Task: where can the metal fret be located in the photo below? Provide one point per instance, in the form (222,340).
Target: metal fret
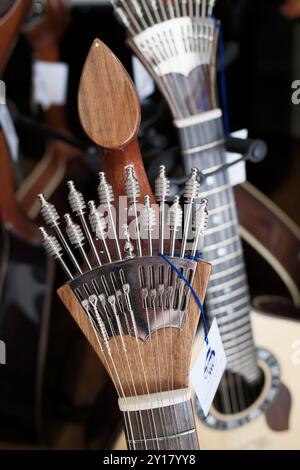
(219,209)
(161,439)
(234,325)
(217,190)
(239,339)
(226,258)
(232,317)
(222,227)
(225,297)
(224,285)
(202,148)
(239,350)
(228,295)
(235,314)
(231,305)
(232,270)
(222,244)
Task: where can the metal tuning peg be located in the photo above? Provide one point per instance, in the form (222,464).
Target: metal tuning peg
(148,218)
(78,206)
(106,198)
(98,226)
(52,219)
(133,192)
(76,237)
(200,223)
(162,192)
(174,222)
(55,250)
(128,247)
(191,193)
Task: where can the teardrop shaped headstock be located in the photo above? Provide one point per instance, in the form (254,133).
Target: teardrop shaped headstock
(110,114)
(108,106)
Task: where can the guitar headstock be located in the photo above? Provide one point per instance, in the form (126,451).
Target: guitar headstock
(177,43)
(140,329)
(133,305)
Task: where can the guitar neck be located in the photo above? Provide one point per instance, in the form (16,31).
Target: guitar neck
(228,299)
(163,421)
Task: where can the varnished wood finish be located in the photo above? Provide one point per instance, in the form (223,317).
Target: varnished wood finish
(106,85)
(282,339)
(272,234)
(114,162)
(10,25)
(182,343)
(110,114)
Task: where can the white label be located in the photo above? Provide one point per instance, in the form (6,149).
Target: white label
(208,369)
(50,83)
(237,173)
(143,81)
(9,132)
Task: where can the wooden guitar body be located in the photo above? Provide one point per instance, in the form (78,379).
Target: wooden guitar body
(278,427)
(26,277)
(25,300)
(276,238)
(25,293)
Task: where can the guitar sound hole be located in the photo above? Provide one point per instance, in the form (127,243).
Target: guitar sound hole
(236,395)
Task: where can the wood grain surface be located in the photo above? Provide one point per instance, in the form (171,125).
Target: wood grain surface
(149,352)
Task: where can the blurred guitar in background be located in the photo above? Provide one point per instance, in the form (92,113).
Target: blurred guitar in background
(25,283)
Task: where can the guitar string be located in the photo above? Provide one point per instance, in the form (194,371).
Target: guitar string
(141,431)
(164,53)
(103,332)
(183,338)
(120,390)
(227,401)
(158,383)
(142,436)
(135,23)
(192,111)
(174,408)
(175,419)
(178,88)
(144,382)
(171,352)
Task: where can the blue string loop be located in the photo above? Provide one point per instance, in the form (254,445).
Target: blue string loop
(199,303)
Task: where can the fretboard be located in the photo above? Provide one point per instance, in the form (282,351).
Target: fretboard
(161,421)
(227,299)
